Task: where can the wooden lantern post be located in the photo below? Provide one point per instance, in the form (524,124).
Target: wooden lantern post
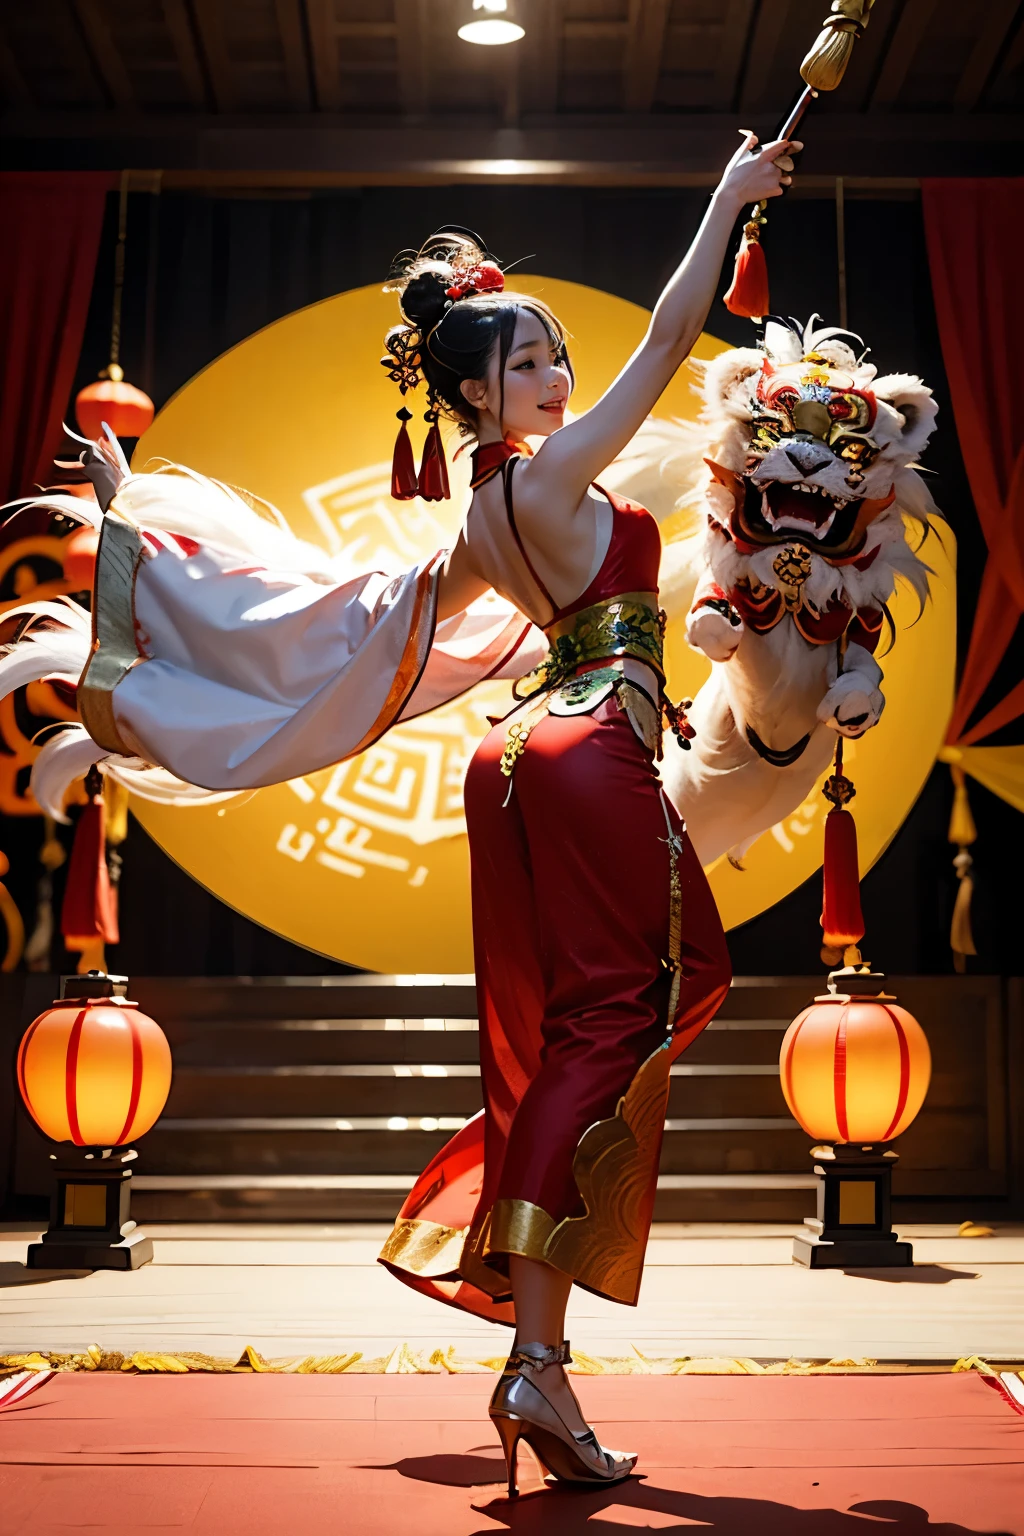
(855,1069)
(94,1072)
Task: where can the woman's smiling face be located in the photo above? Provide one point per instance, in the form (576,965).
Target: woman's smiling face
(537,383)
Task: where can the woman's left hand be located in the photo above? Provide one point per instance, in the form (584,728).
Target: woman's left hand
(755,174)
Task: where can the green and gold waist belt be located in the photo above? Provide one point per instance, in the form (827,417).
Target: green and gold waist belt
(567,682)
(629,624)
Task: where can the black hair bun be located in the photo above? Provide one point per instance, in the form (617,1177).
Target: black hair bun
(424,299)
(423,277)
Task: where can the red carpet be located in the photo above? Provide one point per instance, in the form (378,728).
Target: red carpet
(739,1456)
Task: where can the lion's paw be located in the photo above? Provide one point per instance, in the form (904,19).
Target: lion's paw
(716,630)
(852,705)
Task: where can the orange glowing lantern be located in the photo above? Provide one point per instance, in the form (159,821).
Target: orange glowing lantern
(126,410)
(855,1069)
(94,1071)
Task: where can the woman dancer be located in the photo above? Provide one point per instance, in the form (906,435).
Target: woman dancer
(598,949)
(225,654)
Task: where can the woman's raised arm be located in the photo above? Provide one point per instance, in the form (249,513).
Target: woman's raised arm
(571,458)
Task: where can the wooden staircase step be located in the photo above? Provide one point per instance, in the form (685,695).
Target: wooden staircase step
(378,1197)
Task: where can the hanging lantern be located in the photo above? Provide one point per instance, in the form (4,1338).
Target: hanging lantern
(855,1069)
(94,1071)
(79,556)
(126,410)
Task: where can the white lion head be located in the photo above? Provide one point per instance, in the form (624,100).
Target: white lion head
(812,447)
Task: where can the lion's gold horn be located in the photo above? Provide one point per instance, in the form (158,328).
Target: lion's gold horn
(826,63)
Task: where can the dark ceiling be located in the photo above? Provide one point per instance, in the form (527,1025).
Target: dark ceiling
(605,90)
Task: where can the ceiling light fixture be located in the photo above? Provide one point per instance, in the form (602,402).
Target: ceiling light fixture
(495,29)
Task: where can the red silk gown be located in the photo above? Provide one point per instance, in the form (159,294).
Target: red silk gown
(571,881)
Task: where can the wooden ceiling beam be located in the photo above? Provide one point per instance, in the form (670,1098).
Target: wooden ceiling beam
(644,47)
(732,44)
(103,51)
(597,31)
(369,28)
(411,23)
(293,48)
(761,75)
(323,38)
(907,38)
(542,48)
(997,18)
(210,24)
(666,150)
(179,27)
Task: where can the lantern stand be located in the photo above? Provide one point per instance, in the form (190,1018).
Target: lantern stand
(853,1225)
(90,1226)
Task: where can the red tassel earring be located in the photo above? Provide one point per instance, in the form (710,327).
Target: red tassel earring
(434,466)
(842,921)
(748,295)
(404,485)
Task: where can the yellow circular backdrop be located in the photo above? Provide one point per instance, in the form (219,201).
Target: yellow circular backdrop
(368,862)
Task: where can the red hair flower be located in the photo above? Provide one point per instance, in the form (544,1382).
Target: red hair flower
(487,277)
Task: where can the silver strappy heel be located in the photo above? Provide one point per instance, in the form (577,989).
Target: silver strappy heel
(519,1410)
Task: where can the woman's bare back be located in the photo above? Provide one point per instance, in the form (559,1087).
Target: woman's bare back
(565,551)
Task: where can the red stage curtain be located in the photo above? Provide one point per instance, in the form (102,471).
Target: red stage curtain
(975,235)
(52,224)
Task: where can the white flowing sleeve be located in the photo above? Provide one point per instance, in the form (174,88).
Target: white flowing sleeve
(230,655)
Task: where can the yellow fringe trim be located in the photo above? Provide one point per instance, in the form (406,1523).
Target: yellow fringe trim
(405,1361)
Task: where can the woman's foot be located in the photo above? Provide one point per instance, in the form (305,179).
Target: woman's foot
(556,1388)
(548,1376)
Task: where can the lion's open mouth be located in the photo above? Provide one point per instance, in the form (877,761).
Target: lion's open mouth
(777,512)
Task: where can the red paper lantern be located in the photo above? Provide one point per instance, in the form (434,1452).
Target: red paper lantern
(126,410)
(79,553)
(855,1068)
(95,1073)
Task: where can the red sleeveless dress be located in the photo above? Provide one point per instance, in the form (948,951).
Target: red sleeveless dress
(571,889)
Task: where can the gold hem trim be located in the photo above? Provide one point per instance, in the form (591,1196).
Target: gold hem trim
(425,1248)
(517,1227)
(114,648)
(418,642)
(615,1168)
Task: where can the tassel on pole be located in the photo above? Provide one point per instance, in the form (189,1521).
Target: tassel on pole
(842,920)
(748,292)
(89,914)
(962,832)
(825,64)
(822,70)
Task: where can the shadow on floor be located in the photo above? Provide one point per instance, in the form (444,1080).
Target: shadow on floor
(16,1274)
(915,1274)
(564,1511)
(557,1513)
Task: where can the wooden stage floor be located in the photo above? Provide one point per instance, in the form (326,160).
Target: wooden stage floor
(708,1291)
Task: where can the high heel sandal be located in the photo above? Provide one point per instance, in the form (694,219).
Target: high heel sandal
(519,1410)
